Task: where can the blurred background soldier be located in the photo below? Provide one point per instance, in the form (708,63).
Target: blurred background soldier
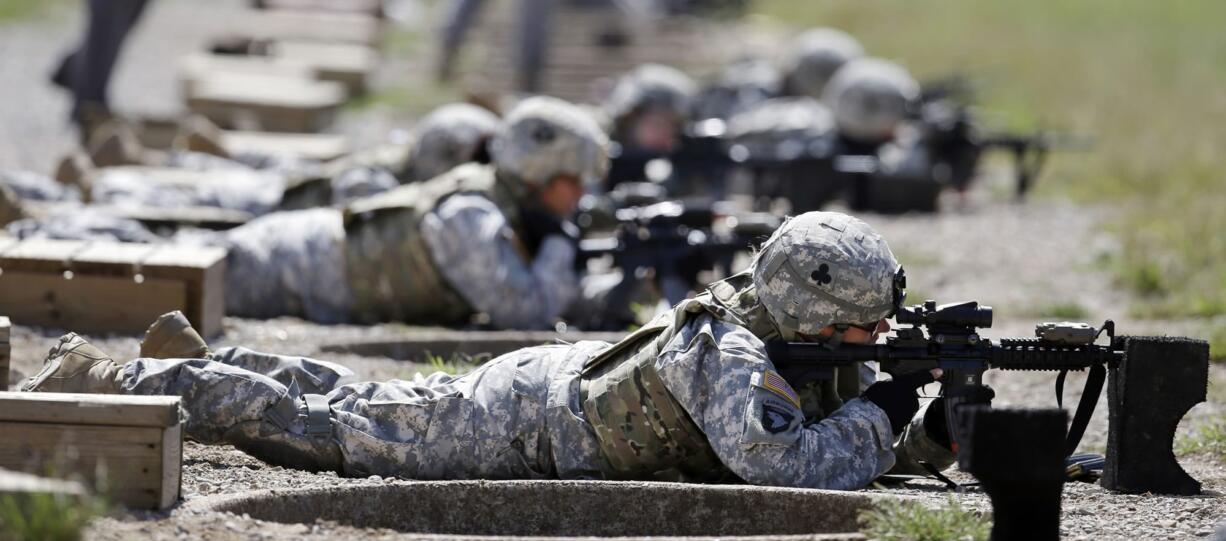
(487,239)
(648,109)
(480,239)
(691,396)
(814,57)
(533,39)
(871,98)
(448,136)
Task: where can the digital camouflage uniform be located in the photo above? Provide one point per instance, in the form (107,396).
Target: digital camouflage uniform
(422,252)
(690,396)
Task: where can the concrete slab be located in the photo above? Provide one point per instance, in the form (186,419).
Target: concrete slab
(553,509)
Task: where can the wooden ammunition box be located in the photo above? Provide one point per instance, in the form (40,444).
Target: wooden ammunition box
(110,286)
(127,447)
(347,63)
(250,101)
(310,146)
(6,350)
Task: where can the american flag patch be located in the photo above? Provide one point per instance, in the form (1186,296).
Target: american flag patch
(775,383)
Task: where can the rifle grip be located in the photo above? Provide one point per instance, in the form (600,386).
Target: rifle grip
(1159,380)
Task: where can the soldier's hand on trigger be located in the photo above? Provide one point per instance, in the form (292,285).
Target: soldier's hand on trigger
(898,398)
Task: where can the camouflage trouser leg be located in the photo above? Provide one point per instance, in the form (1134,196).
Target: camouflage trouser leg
(487,424)
(312,376)
(229,405)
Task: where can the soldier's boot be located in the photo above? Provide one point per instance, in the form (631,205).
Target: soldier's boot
(114,143)
(172,337)
(11,208)
(74,170)
(76,366)
(199,134)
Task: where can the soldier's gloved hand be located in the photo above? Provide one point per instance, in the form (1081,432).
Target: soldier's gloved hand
(897,397)
(936,423)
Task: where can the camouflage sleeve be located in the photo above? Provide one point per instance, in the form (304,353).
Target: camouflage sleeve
(722,377)
(475,251)
(915,446)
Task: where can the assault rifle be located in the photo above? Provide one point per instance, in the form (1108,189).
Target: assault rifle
(676,243)
(1154,381)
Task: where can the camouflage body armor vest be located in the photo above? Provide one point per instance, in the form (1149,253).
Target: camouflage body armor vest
(388,263)
(644,433)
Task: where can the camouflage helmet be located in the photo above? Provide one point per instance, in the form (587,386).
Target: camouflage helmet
(651,86)
(870,97)
(449,136)
(816,55)
(543,137)
(825,268)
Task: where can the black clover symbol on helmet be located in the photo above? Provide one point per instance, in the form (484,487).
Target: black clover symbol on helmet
(822,275)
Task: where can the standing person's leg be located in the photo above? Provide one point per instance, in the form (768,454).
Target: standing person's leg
(109,24)
(534,26)
(456,22)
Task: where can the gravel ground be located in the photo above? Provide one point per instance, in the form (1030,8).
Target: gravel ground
(1026,260)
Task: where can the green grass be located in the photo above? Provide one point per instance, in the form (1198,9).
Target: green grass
(411,95)
(1217,342)
(48,517)
(1209,440)
(1065,310)
(1145,79)
(20,10)
(912,521)
(456,364)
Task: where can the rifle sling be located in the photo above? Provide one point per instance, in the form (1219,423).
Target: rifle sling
(1085,407)
(1060,388)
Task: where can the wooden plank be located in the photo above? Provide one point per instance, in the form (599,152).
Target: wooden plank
(109,258)
(172,466)
(6,351)
(310,146)
(125,462)
(89,303)
(265,102)
(201,66)
(281,24)
(346,63)
(175,217)
(90,409)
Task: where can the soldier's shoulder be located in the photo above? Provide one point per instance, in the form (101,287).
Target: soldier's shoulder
(723,335)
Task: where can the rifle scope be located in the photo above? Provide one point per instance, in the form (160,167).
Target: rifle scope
(962,314)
